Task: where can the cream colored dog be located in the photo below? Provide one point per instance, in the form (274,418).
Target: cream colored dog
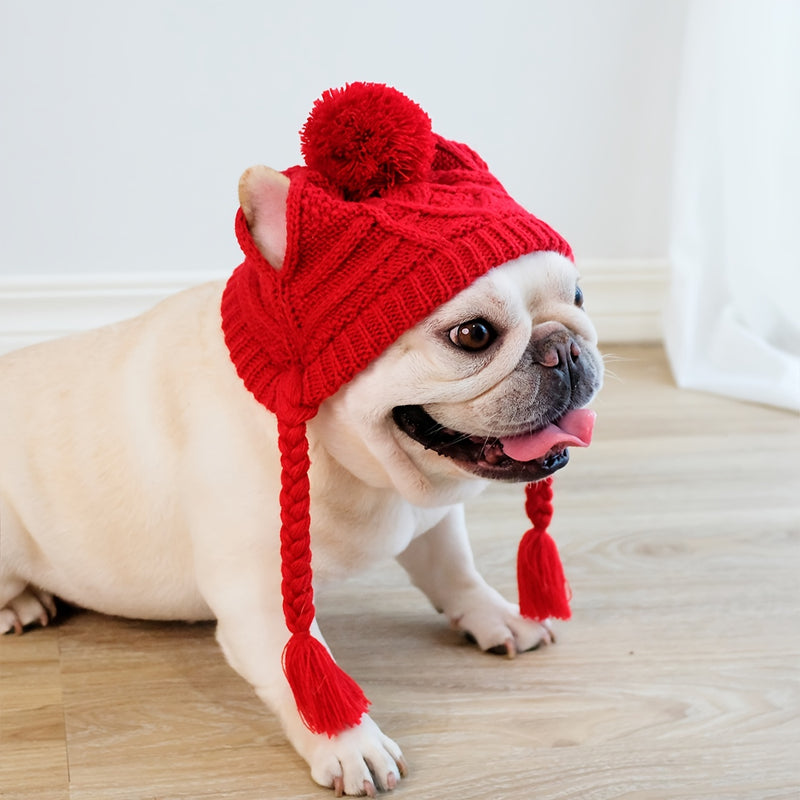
(139,477)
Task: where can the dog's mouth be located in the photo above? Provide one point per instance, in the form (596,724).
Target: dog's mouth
(525,457)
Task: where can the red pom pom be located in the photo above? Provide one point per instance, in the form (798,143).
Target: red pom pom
(367,138)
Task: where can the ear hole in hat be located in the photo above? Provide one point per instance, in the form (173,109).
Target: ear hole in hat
(262,196)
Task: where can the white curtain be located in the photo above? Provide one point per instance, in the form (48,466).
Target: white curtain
(732,324)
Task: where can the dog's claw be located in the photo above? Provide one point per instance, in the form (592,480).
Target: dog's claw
(338,786)
(369,788)
(403,767)
(511,648)
(508,649)
(49,603)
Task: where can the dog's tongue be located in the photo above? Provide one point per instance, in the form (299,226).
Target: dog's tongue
(573,429)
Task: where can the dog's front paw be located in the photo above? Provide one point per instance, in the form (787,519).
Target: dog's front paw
(29,607)
(497,626)
(358,761)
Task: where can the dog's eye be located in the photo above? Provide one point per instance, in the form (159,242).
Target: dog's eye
(579,297)
(477,334)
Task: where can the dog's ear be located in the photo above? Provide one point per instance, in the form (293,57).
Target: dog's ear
(262,196)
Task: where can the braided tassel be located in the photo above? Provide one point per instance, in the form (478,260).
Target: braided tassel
(543,590)
(327,698)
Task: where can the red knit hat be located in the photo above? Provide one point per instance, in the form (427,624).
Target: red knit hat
(385,222)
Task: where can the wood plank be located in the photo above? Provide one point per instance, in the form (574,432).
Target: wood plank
(33,746)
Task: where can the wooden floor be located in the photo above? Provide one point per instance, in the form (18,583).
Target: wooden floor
(677,678)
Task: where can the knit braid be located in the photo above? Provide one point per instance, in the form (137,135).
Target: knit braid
(539,503)
(328,699)
(297,587)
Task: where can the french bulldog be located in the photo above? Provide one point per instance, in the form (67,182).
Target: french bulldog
(139,477)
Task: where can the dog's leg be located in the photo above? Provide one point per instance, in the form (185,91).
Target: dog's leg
(246,601)
(440,563)
(20,604)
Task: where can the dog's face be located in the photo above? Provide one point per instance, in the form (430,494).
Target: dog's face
(487,386)
(510,356)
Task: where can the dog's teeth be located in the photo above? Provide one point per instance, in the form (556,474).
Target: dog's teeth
(493,454)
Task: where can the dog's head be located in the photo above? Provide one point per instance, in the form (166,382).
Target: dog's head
(489,385)
(507,366)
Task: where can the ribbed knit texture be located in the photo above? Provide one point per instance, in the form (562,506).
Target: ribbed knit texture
(377,238)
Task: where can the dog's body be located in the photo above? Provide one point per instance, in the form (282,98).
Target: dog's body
(102,503)
(139,477)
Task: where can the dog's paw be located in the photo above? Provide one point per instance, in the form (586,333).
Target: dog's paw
(496,626)
(358,761)
(28,607)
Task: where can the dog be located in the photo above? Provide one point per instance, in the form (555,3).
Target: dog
(140,478)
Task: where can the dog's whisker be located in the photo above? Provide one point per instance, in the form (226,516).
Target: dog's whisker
(609,373)
(614,357)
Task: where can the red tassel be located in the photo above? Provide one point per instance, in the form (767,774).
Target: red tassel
(328,699)
(543,590)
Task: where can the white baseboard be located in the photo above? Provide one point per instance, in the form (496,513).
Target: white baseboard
(624,298)
(36,308)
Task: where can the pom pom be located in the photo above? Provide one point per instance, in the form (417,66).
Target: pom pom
(367,138)
(327,698)
(543,590)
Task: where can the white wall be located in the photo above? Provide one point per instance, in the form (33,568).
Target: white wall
(125,126)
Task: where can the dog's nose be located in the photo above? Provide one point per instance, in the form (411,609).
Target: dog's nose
(558,350)
(557,353)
